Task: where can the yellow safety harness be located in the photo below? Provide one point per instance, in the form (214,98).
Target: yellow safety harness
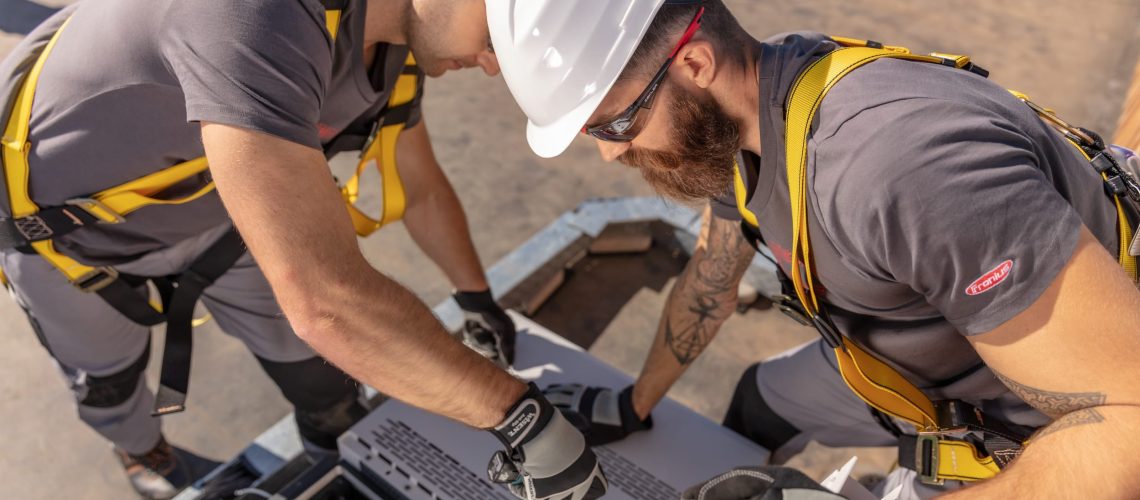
(31,228)
(937,453)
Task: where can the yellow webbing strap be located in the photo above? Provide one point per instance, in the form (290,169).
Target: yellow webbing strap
(960,461)
(15,140)
(14,152)
(883,387)
(332,22)
(381,153)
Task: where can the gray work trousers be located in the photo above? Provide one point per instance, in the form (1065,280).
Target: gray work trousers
(804,389)
(88,338)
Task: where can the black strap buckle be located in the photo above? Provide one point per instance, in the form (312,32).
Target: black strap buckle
(96,279)
(791,308)
(822,323)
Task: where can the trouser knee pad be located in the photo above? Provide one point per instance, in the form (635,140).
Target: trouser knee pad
(325,399)
(750,416)
(112,390)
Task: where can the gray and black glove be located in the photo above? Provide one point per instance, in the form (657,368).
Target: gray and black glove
(546,457)
(760,483)
(601,414)
(487,329)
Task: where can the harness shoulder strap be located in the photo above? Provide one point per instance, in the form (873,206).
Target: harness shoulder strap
(874,381)
(878,384)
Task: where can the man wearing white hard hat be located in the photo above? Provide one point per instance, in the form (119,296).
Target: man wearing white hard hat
(966,255)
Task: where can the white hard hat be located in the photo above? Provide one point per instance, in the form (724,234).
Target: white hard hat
(561,57)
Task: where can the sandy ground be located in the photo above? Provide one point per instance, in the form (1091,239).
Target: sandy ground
(1073,56)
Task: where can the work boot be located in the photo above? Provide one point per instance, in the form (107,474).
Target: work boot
(159,474)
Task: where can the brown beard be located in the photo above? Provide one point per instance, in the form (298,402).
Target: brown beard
(707,141)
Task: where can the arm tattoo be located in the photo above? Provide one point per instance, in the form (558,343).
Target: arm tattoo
(706,291)
(1081,417)
(1068,409)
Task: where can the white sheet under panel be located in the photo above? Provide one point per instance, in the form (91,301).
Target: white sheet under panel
(424,456)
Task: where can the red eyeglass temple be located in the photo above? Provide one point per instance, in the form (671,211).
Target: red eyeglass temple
(688,32)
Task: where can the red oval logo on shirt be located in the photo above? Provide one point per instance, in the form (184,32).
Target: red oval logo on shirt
(990,279)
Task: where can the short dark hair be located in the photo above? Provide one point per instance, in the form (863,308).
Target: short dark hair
(718,25)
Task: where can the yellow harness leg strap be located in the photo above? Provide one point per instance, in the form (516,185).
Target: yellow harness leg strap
(381,153)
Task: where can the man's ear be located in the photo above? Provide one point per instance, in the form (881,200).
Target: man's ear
(697,63)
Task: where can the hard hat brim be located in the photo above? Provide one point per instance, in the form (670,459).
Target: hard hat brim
(552,139)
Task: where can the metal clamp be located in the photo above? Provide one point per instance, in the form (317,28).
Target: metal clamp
(96,279)
(33,228)
(926,458)
(97,209)
(792,309)
(827,330)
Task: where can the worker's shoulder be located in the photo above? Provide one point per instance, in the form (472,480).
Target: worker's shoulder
(905,87)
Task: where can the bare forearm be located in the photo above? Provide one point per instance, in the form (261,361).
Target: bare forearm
(701,300)
(693,316)
(382,334)
(439,227)
(283,201)
(1086,453)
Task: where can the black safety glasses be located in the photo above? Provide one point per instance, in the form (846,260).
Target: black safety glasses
(626,126)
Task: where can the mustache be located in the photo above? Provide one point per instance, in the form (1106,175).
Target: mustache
(699,166)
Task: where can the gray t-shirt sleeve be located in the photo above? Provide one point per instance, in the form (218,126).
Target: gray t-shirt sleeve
(947,198)
(262,65)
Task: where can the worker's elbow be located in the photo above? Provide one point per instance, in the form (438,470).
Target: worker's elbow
(314,309)
(316,328)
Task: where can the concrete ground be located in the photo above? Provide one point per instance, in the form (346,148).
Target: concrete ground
(1074,56)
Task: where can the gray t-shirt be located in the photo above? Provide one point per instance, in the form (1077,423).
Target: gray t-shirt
(121,92)
(940,206)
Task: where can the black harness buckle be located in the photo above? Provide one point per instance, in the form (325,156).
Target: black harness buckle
(95,280)
(792,309)
(822,323)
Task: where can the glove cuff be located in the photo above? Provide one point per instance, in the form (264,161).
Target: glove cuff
(476,301)
(525,419)
(629,414)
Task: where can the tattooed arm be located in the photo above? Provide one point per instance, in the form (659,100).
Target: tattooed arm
(1073,355)
(702,298)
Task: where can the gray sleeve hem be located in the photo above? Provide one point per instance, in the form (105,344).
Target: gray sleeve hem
(1063,244)
(263,124)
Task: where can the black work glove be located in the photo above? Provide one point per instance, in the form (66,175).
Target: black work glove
(760,483)
(601,414)
(546,457)
(486,327)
